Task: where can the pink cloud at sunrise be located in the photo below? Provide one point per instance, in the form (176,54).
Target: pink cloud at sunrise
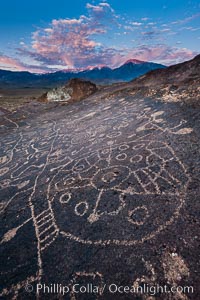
(99,37)
(8,62)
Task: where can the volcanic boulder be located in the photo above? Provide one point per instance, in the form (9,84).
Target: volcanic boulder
(75,90)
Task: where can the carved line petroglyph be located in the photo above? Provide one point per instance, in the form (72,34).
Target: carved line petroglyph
(14,289)
(12,232)
(84,151)
(134,211)
(125,242)
(110,177)
(43,240)
(91,277)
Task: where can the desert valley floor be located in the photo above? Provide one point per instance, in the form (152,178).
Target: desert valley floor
(102,191)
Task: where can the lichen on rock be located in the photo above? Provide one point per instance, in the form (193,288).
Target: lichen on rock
(75,90)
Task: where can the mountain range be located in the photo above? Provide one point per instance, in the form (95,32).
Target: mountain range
(176,83)
(130,70)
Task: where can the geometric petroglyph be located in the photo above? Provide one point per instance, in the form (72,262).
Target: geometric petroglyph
(100,172)
(47,231)
(13,291)
(126,184)
(93,282)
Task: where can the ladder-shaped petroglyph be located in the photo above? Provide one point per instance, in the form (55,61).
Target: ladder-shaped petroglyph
(47,229)
(100,173)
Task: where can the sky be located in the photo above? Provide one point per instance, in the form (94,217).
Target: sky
(51,35)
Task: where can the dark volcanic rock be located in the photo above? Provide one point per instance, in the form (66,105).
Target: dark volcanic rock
(176,74)
(175,83)
(101,192)
(81,88)
(75,90)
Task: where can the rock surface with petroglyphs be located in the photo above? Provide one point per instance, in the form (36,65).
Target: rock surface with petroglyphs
(177,83)
(100,191)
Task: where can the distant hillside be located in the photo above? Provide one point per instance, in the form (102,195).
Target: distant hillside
(128,71)
(175,83)
(176,74)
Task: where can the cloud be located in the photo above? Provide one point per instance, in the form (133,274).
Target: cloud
(136,23)
(149,33)
(10,63)
(151,23)
(190,28)
(76,43)
(186,20)
(99,8)
(161,54)
(156,34)
(71,42)
(13,64)
(165,30)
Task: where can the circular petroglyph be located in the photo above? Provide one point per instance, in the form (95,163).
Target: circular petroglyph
(136,159)
(110,177)
(124,147)
(114,134)
(5,183)
(121,156)
(3,171)
(99,177)
(143,196)
(138,215)
(65,198)
(81,208)
(139,146)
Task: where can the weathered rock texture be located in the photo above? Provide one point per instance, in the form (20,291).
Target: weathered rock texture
(75,90)
(176,83)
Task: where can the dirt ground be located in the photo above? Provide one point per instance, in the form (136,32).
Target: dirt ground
(12,99)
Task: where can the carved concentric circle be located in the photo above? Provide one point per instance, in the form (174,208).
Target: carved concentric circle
(140,199)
